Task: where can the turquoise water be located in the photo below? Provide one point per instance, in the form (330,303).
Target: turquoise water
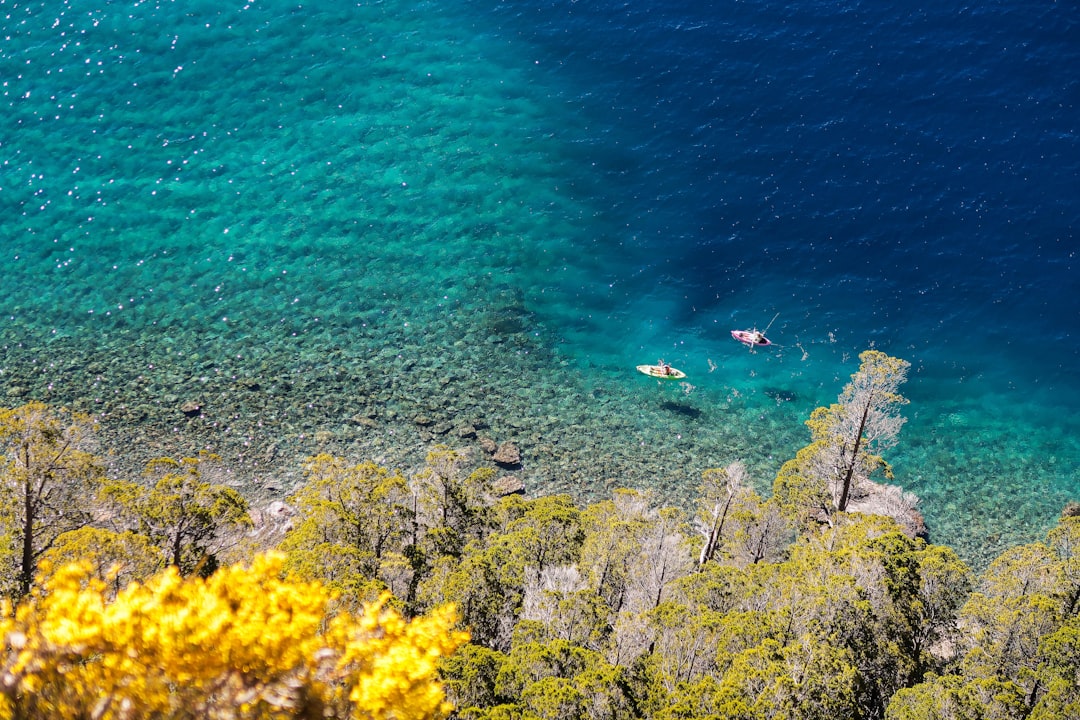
(373,227)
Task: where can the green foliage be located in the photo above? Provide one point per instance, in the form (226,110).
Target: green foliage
(862,586)
(183,514)
(528,663)
(733,522)
(612,611)
(470,676)
(811,679)
(847,440)
(945,583)
(452,504)
(354,522)
(704,699)
(800,493)
(1058,673)
(1006,619)
(760,532)
(952,697)
(1064,541)
(546,532)
(559,680)
(719,488)
(490,580)
(686,642)
(48,480)
(609,549)
(487,590)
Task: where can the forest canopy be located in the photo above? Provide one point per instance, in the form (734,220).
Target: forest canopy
(393,593)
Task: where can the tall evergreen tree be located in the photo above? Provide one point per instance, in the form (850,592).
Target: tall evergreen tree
(182,513)
(848,439)
(46,477)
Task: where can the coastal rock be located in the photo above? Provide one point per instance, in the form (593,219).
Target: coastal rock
(363,421)
(279,509)
(271,522)
(507,455)
(508,485)
(191,408)
(890,500)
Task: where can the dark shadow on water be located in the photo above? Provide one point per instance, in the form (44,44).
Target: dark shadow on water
(681,409)
(780,395)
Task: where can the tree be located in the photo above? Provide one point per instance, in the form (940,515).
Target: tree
(848,438)
(631,555)
(719,488)
(1064,540)
(760,532)
(561,681)
(46,479)
(547,531)
(945,583)
(486,584)
(451,504)
(704,698)
(470,675)
(244,643)
(488,579)
(811,679)
(609,544)
(560,607)
(1058,673)
(664,558)
(864,587)
(1014,607)
(187,517)
(687,643)
(952,697)
(353,524)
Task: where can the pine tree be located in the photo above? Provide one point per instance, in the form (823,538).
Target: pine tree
(848,439)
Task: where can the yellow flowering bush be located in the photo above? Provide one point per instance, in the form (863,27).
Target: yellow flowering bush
(244,643)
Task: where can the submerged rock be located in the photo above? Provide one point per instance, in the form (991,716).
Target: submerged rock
(507,455)
(191,408)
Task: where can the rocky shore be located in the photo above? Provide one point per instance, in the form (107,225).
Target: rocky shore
(494,383)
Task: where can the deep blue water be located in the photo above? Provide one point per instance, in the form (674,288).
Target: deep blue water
(268,179)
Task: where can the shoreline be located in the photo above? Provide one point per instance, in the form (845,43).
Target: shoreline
(265,411)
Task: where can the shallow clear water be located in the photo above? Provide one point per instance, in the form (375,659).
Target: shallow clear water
(363,228)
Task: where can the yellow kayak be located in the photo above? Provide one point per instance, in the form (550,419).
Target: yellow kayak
(658,371)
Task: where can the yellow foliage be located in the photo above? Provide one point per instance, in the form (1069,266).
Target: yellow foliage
(244,643)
